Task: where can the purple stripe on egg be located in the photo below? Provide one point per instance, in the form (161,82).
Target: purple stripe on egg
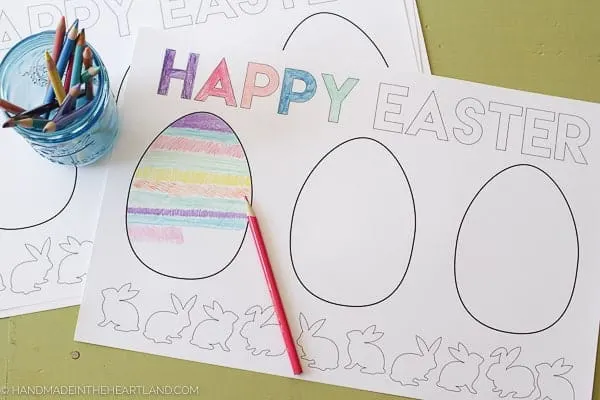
(202,122)
(185,213)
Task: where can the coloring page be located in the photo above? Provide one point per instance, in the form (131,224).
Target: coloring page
(431,238)
(46,245)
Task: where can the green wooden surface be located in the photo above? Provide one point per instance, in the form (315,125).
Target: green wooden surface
(545,46)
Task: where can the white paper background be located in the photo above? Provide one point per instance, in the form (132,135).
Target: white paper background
(282,150)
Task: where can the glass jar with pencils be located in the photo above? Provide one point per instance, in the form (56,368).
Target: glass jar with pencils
(55,93)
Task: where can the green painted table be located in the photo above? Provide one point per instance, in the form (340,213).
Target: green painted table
(546,46)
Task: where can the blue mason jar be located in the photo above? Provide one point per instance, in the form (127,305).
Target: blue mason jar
(24,82)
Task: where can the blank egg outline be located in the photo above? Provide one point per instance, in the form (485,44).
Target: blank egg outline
(342,18)
(53,217)
(576,263)
(412,247)
(237,252)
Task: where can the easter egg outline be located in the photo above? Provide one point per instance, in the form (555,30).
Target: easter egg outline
(56,215)
(342,18)
(564,197)
(243,239)
(414,233)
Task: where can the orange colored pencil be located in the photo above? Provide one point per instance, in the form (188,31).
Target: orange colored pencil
(88,62)
(59,39)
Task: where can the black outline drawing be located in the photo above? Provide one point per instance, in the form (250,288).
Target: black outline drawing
(55,215)
(115,313)
(344,19)
(364,352)
(321,346)
(215,312)
(409,363)
(461,376)
(464,123)
(164,323)
(576,263)
(559,376)
(2,284)
(414,233)
(3,13)
(72,254)
(28,275)
(261,334)
(502,373)
(122,84)
(250,199)
(494,104)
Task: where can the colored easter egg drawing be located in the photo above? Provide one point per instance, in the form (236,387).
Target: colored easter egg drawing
(353,225)
(186,214)
(338,39)
(34,190)
(517,252)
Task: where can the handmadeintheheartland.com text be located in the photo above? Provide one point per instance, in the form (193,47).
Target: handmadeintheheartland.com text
(99,390)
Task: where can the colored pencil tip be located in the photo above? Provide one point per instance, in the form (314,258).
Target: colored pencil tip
(8,124)
(50,127)
(47,56)
(81,40)
(249,209)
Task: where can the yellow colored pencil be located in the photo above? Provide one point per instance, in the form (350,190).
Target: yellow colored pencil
(54,78)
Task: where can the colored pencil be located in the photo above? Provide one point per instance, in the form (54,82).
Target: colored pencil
(38,111)
(54,77)
(78,59)
(35,123)
(89,73)
(63,59)
(64,120)
(88,62)
(69,104)
(276,299)
(10,107)
(59,39)
(69,74)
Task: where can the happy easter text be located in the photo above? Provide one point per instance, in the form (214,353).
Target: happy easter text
(541,133)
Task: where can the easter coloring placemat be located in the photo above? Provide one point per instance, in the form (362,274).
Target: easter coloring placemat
(432,238)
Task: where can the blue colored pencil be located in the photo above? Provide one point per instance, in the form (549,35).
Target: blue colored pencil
(63,60)
(78,60)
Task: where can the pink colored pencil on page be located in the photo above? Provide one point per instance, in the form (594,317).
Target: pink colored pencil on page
(272,284)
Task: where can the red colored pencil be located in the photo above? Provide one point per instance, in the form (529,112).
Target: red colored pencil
(272,284)
(59,39)
(69,74)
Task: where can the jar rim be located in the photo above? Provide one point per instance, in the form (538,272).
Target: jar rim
(76,128)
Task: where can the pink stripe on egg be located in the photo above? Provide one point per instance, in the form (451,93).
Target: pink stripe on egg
(161,234)
(184,144)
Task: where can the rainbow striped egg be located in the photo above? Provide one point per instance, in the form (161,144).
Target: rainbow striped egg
(186,213)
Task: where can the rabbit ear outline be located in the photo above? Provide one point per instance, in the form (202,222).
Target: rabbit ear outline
(46,247)
(500,352)
(177,305)
(190,304)
(559,367)
(512,356)
(435,346)
(461,353)
(421,345)
(316,327)
(253,311)
(125,292)
(265,316)
(71,246)
(371,335)
(215,312)
(35,253)
(303,323)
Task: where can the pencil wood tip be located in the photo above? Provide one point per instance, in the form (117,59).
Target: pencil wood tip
(50,127)
(249,209)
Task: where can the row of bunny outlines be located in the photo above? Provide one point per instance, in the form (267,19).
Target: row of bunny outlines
(364,353)
(214,332)
(31,274)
